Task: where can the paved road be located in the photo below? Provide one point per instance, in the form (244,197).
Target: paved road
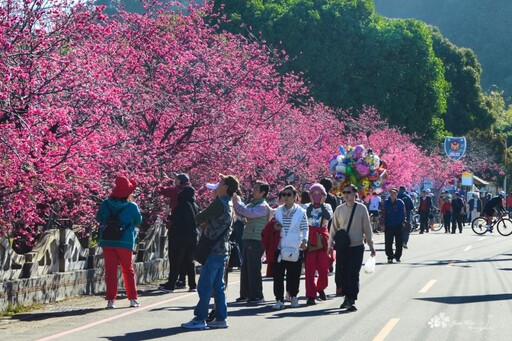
(448,287)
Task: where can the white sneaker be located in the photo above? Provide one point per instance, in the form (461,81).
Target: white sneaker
(194,324)
(278,306)
(295,302)
(134,304)
(110,304)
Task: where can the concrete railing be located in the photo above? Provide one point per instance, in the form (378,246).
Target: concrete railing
(59,267)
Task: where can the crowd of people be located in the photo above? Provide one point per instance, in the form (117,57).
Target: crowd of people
(301,233)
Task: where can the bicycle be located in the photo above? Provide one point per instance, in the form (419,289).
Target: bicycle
(503,225)
(435,221)
(415,222)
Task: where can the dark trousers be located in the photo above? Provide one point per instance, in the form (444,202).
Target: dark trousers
(250,272)
(424,221)
(292,270)
(180,255)
(238,231)
(393,232)
(447,218)
(170,245)
(456,221)
(348,266)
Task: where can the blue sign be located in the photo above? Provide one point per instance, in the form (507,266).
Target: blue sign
(455,147)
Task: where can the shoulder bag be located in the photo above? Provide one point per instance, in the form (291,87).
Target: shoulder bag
(341,238)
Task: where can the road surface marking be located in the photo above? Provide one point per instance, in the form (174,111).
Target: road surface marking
(482,238)
(428,286)
(112,318)
(468,248)
(386,330)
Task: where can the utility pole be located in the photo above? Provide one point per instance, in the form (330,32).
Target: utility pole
(505,178)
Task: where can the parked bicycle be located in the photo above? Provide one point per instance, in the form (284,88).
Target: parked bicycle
(435,221)
(502,223)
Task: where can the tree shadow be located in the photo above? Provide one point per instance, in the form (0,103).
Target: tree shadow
(467,299)
(457,262)
(35,316)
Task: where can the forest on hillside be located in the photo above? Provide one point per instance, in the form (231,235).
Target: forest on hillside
(485,26)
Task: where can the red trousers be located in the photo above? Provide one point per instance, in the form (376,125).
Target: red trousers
(316,261)
(115,256)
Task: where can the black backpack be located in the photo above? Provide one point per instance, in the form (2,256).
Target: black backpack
(112,229)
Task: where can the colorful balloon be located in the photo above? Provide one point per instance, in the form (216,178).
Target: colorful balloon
(359,152)
(341,168)
(332,165)
(362,169)
(352,175)
(358,166)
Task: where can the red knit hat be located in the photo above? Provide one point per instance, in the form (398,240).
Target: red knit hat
(124,187)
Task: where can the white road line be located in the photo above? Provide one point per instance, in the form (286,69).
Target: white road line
(428,286)
(115,317)
(468,248)
(386,330)
(481,238)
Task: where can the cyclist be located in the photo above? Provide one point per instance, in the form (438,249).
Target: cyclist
(492,207)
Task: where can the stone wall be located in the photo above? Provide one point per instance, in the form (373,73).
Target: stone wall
(59,267)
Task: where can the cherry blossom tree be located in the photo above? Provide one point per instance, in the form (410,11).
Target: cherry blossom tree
(85,97)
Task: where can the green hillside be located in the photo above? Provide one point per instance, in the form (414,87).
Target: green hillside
(485,26)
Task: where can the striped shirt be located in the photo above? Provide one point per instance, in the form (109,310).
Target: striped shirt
(303,227)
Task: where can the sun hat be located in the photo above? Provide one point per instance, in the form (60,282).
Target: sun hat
(124,187)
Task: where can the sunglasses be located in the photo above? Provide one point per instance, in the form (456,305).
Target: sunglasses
(289,194)
(347,192)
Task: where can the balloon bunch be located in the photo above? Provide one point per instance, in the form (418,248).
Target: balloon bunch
(360,167)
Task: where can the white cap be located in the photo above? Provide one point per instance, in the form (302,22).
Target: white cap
(212,186)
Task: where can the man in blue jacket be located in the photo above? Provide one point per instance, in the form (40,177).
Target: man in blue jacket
(392,222)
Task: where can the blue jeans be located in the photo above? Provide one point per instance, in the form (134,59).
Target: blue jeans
(212,278)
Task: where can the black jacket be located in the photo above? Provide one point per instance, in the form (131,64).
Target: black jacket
(332,200)
(183,216)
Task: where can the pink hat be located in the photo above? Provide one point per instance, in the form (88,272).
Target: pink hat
(124,187)
(319,187)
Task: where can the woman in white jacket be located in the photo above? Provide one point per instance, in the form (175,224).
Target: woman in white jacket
(293,224)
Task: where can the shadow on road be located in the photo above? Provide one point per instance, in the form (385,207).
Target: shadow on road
(467,299)
(459,262)
(151,334)
(174,308)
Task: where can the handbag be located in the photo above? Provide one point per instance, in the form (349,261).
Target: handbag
(204,247)
(341,238)
(290,254)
